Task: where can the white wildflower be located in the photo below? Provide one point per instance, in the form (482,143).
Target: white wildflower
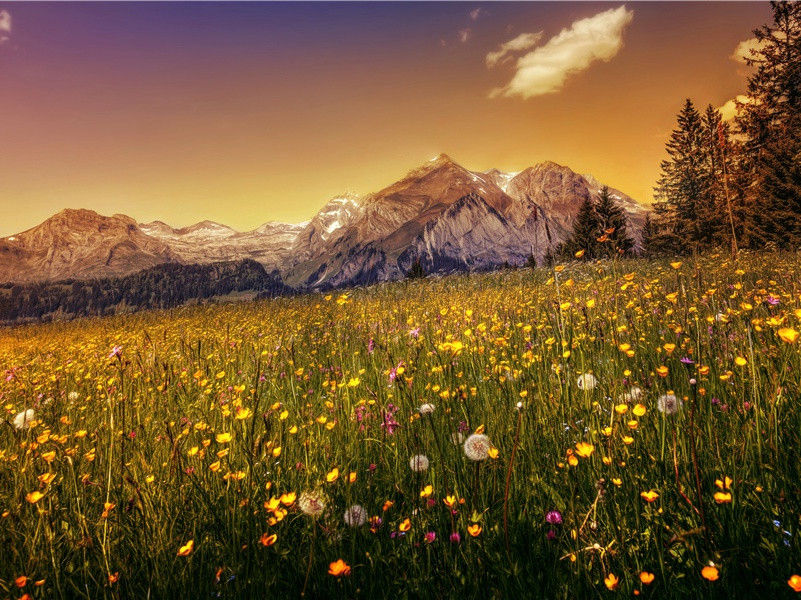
(418,463)
(23,419)
(355,516)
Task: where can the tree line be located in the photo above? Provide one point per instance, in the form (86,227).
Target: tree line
(724,184)
(163,286)
(737,184)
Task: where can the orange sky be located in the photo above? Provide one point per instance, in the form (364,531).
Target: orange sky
(249,113)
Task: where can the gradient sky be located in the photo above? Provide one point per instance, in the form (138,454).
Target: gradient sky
(247,113)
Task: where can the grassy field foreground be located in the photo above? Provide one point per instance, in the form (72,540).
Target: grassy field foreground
(606,429)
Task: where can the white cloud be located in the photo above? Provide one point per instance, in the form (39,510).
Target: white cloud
(545,69)
(507,50)
(464,34)
(730,110)
(744,49)
(475,14)
(5,26)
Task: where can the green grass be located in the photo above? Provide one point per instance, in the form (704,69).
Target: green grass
(306,379)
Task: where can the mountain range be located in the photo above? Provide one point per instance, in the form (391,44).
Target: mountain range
(441,214)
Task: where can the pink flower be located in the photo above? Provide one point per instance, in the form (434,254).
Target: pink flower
(430,537)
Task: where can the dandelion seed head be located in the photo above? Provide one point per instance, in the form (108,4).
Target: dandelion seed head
(477,446)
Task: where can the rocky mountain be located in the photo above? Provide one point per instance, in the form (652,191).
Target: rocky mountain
(450,219)
(443,215)
(80,244)
(208,242)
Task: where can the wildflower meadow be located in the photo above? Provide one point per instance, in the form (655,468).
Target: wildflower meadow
(591,430)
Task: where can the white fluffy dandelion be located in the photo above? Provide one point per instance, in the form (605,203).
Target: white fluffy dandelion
(477,446)
(311,503)
(72,396)
(632,395)
(426,409)
(23,419)
(355,516)
(418,463)
(586,381)
(668,404)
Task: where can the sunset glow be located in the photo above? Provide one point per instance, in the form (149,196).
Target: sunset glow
(248,113)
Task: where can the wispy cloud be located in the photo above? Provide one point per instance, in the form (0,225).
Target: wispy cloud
(507,50)
(464,34)
(476,13)
(544,69)
(5,26)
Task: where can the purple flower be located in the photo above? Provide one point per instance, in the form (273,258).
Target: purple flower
(687,360)
(551,535)
(115,351)
(554,517)
(455,537)
(773,301)
(415,333)
(370,346)
(430,537)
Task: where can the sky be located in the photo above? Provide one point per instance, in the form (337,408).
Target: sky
(244,113)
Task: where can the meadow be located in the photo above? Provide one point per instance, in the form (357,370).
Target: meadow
(592,430)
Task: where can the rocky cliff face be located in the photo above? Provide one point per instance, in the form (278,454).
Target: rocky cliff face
(445,216)
(80,244)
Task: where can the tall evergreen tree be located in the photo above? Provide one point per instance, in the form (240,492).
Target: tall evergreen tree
(683,184)
(586,231)
(613,226)
(770,123)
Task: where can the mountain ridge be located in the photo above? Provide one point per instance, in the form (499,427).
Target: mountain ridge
(440,213)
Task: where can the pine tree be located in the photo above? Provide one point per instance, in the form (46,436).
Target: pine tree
(613,224)
(683,185)
(416,271)
(586,231)
(649,232)
(770,122)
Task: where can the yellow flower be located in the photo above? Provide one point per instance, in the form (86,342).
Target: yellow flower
(788,334)
(662,371)
(710,573)
(223,438)
(579,254)
(405,525)
(621,409)
(639,410)
(676,265)
(723,497)
(187,548)
(740,361)
(34,497)
(611,582)
(795,582)
(725,484)
(332,475)
(338,568)
(288,499)
(474,530)
(268,540)
(649,496)
(584,449)
(646,577)
(492,452)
